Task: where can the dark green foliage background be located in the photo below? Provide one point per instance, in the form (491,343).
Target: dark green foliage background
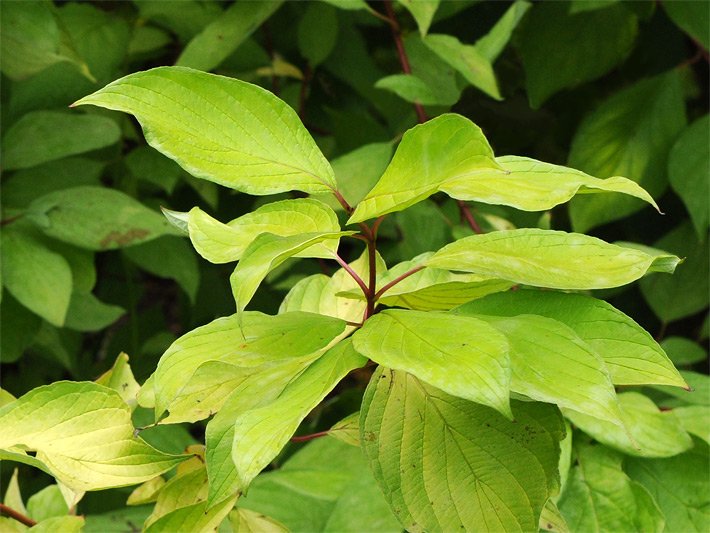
(566,63)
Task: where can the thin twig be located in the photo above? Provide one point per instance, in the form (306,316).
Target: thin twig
(354,275)
(403,59)
(468,216)
(16,515)
(394,282)
(372,282)
(305,438)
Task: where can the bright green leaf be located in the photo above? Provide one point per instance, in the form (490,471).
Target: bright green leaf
(223,36)
(47,503)
(601,497)
(147,492)
(467,60)
(463,356)
(43,136)
(97,218)
(410,88)
(447,147)
(447,464)
(655,433)
(195,517)
(492,44)
(240,135)
(550,363)
(246,521)
(268,251)
(224,243)
(680,486)
(423,12)
(629,352)
(630,135)
(532,185)
(357,171)
(260,434)
(118,520)
(83,433)
(347,430)
(38,278)
(120,378)
(560,50)
(551,519)
(688,169)
(688,291)
(65,524)
(258,340)
(553,259)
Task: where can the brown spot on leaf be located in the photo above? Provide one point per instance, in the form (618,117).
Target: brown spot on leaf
(123,238)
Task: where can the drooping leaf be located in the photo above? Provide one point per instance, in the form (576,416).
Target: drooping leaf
(692,17)
(688,168)
(326,486)
(448,146)
(31,40)
(260,434)
(223,36)
(317,32)
(260,340)
(688,291)
(268,251)
(447,464)
(224,243)
(550,363)
(554,259)
(38,278)
(630,135)
(467,60)
(560,50)
(629,352)
(423,12)
(83,433)
(97,218)
(492,44)
(531,185)
(168,257)
(680,486)
(43,136)
(463,356)
(601,497)
(655,433)
(240,136)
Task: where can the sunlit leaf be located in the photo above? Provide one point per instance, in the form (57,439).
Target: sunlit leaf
(423,12)
(553,259)
(655,433)
(83,433)
(463,356)
(240,135)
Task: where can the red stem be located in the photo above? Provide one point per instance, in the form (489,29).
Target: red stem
(353,274)
(468,217)
(372,281)
(394,282)
(16,515)
(403,59)
(305,438)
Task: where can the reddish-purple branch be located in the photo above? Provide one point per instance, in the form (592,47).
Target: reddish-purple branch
(468,217)
(16,515)
(305,438)
(353,274)
(394,282)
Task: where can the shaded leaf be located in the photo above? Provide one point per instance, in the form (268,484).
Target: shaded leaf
(683,351)
(88,313)
(691,17)
(317,32)
(446,464)
(492,44)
